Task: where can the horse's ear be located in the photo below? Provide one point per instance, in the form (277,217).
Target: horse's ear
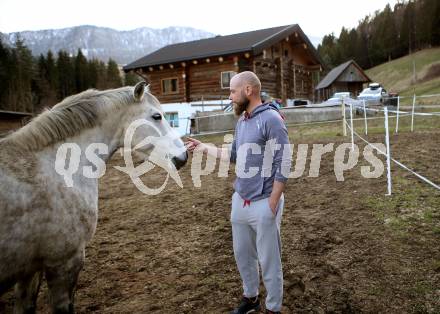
(139,91)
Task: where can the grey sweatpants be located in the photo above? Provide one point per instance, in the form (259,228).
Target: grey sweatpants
(256,239)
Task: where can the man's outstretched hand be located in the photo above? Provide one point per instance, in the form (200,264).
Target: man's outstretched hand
(192,143)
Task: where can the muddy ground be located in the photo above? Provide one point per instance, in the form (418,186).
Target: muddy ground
(347,248)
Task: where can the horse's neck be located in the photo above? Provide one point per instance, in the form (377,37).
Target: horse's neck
(100,141)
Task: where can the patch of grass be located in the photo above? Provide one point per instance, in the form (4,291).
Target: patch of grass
(376,291)
(425,296)
(436,230)
(411,205)
(422,288)
(436,265)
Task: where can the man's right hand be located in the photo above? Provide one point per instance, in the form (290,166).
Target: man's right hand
(192,143)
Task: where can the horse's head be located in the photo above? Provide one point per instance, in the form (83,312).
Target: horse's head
(151,135)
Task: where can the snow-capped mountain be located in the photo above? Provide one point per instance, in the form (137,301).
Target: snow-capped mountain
(104,43)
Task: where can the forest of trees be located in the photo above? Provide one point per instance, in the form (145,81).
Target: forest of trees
(389,34)
(29,84)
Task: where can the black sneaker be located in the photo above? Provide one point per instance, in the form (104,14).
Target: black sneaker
(248,305)
(271,312)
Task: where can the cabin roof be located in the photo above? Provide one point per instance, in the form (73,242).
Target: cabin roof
(254,41)
(336,72)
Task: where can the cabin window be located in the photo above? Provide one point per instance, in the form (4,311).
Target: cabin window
(170,86)
(172,118)
(286,53)
(226,78)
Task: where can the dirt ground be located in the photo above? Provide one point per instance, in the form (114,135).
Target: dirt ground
(347,248)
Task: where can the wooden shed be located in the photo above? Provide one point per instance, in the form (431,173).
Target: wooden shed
(283,58)
(346,77)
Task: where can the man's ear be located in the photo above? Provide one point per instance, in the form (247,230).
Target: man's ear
(139,91)
(248,90)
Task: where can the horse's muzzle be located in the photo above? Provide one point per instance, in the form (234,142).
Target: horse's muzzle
(180,161)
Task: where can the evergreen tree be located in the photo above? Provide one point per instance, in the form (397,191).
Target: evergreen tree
(66,75)
(389,33)
(93,69)
(81,72)
(45,89)
(344,47)
(435,24)
(353,52)
(407,29)
(131,79)
(22,73)
(102,76)
(327,50)
(376,48)
(51,69)
(113,75)
(362,56)
(5,61)
(42,87)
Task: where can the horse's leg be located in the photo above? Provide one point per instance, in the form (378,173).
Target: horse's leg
(62,281)
(26,292)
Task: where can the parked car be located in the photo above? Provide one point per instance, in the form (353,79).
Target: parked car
(374,94)
(337,98)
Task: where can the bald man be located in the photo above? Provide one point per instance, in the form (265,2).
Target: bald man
(262,155)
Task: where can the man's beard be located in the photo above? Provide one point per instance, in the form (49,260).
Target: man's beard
(240,105)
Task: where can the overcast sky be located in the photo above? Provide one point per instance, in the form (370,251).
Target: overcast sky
(315,17)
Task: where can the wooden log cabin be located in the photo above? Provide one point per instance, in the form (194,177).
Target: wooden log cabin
(346,77)
(283,58)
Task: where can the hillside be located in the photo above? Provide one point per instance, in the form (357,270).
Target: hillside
(397,75)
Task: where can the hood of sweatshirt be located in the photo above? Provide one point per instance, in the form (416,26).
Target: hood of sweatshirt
(259,109)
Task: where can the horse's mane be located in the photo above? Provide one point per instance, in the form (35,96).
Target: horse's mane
(69,117)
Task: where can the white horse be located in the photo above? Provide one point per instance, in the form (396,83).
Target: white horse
(45,224)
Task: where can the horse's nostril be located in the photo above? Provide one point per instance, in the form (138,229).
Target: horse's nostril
(180,161)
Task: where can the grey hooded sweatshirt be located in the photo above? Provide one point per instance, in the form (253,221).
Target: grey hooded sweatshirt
(261,152)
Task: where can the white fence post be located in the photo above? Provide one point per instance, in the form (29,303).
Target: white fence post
(188,129)
(365,118)
(351,126)
(412,113)
(344,120)
(397,116)
(387,141)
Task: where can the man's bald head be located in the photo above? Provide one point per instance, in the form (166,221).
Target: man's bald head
(245,90)
(247,78)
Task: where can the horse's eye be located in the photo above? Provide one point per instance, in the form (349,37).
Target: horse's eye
(157,116)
